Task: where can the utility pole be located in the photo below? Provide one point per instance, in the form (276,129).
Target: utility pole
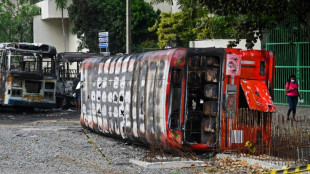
(128,24)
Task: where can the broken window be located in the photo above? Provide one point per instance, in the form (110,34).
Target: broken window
(262,68)
(176,98)
(49,85)
(32,86)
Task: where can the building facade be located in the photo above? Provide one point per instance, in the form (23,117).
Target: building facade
(47,27)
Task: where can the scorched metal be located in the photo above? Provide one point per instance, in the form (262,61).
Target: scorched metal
(178,97)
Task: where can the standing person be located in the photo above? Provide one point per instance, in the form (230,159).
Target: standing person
(76,89)
(292,93)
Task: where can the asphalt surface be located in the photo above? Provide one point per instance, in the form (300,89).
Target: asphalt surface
(300,110)
(52,141)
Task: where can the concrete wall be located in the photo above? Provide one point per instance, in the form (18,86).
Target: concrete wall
(73,40)
(49,10)
(47,27)
(221,43)
(50,32)
(175,7)
(163,7)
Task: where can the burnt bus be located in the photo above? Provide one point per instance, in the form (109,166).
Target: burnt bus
(178,97)
(27,75)
(67,69)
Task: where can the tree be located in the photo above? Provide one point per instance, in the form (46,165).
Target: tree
(16,20)
(174,29)
(90,17)
(255,16)
(258,15)
(62,4)
(193,22)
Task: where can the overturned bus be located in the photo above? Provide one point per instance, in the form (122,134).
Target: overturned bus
(27,75)
(179,97)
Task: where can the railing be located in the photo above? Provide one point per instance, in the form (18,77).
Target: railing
(291,48)
(287,142)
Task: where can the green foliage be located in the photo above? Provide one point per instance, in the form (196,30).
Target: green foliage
(250,147)
(16,20)
(256,16)
(249,18)
(147,45)
(61,4)
(90,17)
(174,29)
(219,27)
(191,24)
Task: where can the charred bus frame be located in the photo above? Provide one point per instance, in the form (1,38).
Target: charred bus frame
(27,75)
(67,69)
(178,97)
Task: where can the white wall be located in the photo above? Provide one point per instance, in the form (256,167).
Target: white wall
(73,40)
(47,27)
(221,43)
(175,7)
(163,7)
(49,10)
(50,32)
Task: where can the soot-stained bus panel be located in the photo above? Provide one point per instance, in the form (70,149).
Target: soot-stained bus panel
(177,97)
(125,95)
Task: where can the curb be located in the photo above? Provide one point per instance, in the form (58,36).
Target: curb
(166,164)
(299,169)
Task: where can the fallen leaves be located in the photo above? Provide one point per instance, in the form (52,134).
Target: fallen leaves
(229,165)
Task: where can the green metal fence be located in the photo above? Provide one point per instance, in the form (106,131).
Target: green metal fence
(292,51)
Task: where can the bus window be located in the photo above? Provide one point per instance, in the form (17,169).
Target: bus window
(262,68)
(175,98)
(3,61)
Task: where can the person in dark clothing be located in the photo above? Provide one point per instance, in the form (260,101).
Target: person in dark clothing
(77,90)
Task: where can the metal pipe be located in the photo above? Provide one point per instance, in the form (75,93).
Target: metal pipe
(128,25)
(9,60)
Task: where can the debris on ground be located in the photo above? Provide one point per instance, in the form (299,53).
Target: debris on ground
(21,135)
(228,165)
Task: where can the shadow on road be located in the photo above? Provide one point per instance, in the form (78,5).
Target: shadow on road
(15,116)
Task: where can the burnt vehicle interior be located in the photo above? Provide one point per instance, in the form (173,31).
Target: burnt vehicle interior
(31,67)
(202,99)
(69,64)
(68,68)
(28,58)
(32,63)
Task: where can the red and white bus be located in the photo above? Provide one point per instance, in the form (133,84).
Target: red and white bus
(181,97)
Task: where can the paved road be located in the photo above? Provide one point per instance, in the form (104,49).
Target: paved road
(53,142)
(300,110)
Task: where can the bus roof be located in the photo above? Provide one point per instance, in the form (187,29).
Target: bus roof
(29,48)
